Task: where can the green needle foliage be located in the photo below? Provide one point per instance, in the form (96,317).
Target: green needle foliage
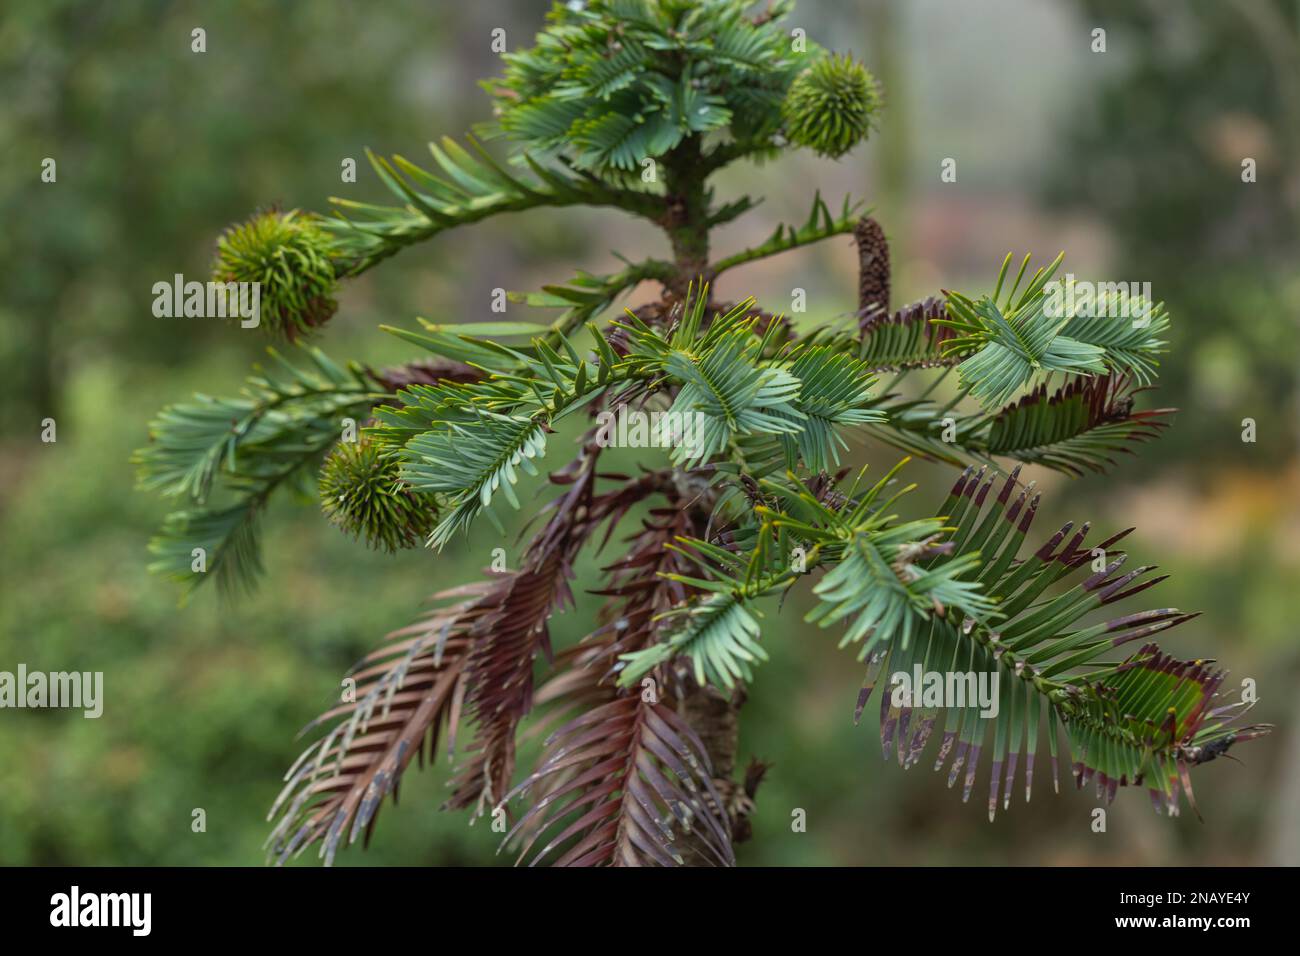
(1006,346)
(612,84)
(224,457)
(747,503)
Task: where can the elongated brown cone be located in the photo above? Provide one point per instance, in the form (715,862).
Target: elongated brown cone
(873,272)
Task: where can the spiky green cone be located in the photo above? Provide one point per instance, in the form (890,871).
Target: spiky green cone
(361,492)
(830,106)
(289,254)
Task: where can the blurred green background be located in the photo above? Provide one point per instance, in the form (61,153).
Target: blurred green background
(1130,160)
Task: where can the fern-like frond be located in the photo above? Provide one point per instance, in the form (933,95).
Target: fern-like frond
(637,787)
(224,457)
(514,631)
(996,641)
(471,464)
(1150,722)
(468,186)
(470,660)
(1043,656)
(906,340)
(834,390)
(887,597)
(877,581)
(1078,428)
(624,782)
(194,544)
(734,392)
(1131,343)
(1013,349)
(718,632)
(1006,345)
(467,441)
(509,634)
(407,693)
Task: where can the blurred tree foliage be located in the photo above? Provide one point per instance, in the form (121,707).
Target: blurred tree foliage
(152,139)
(1189,91)
(156,146)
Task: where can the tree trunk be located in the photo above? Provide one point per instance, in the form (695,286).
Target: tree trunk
(715,717)
(711,713)
(685,217)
